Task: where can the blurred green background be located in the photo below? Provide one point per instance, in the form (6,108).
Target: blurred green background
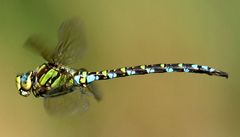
(126,33)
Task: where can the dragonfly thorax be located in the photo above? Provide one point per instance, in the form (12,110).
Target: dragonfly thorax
(52,79)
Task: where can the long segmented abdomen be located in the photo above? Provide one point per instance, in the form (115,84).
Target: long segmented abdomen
(84,77)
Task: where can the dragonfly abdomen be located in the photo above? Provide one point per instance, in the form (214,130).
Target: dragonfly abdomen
(85,77)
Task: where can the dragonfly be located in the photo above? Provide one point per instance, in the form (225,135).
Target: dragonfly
(65,90)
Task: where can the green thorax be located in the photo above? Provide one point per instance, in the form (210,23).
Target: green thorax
(50,77)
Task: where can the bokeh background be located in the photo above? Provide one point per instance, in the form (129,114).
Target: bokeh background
(126,33)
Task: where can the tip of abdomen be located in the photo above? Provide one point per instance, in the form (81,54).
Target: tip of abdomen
(221,74)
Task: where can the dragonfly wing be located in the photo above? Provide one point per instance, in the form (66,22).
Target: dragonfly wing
(68,104)
(71,42)
(37,44)
(94,90)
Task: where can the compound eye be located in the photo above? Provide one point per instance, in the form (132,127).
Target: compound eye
(18,82)
(26,82)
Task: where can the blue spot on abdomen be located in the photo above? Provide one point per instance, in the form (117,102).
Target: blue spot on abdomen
(90,78)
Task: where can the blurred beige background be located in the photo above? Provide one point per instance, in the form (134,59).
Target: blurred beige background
(126,33)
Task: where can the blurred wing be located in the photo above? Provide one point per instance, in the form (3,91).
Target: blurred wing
(94,90)
(68,104)
(37,44)
(71,42)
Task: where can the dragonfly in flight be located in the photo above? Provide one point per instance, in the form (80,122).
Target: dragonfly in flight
(64,88)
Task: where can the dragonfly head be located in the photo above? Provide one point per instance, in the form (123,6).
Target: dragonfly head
(24,83)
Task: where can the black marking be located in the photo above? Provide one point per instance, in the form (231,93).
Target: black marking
(55,78)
